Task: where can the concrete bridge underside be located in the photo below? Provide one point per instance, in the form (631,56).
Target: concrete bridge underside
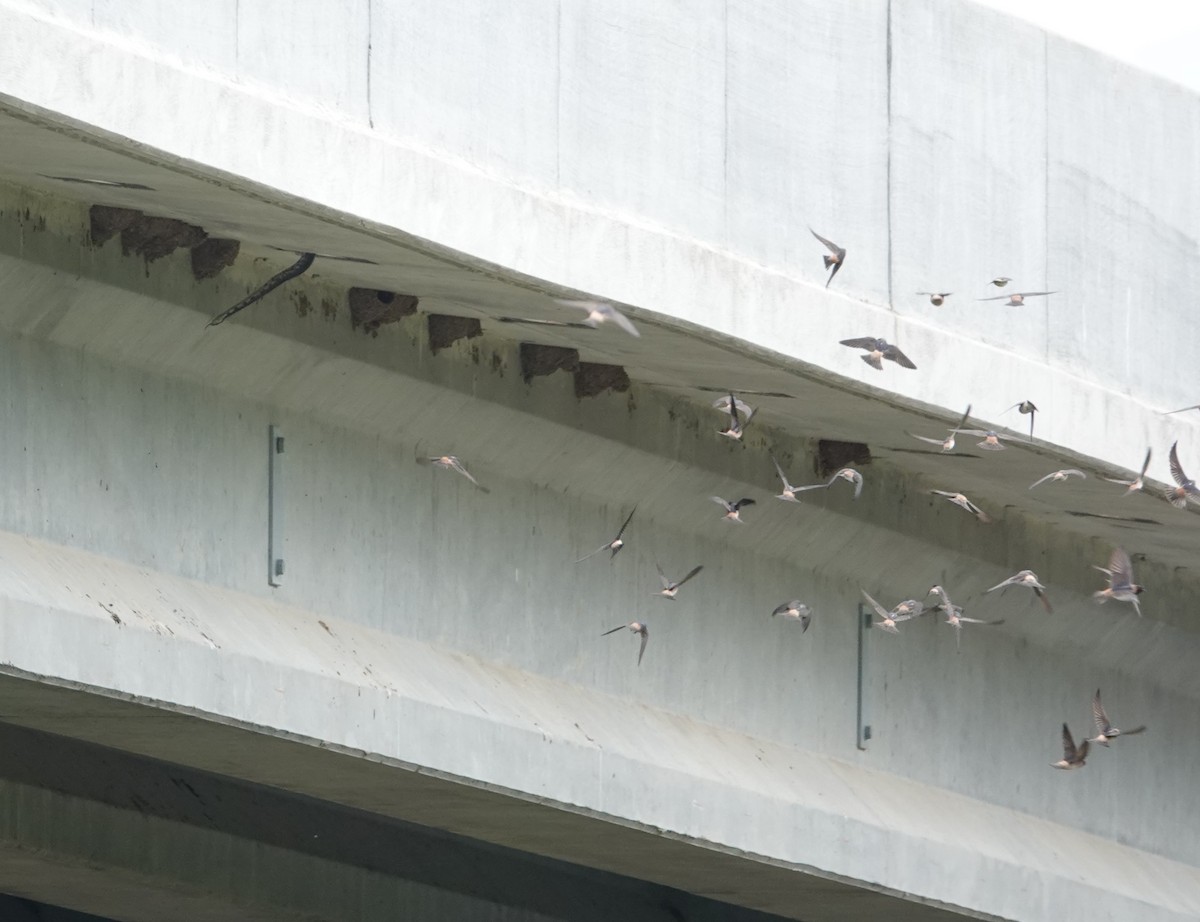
(415,666)
(422,715)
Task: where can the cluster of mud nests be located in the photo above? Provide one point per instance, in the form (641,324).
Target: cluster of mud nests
(591,378)
(154,237)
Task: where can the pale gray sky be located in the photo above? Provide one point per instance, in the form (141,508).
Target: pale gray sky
(1161,36)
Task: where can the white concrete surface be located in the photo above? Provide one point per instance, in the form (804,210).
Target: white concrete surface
(670,158)
(673,161)
(447,608)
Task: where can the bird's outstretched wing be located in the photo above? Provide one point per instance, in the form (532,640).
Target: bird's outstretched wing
(625,524)
(894,353)
(546,323)
(1098,715)
(832,247)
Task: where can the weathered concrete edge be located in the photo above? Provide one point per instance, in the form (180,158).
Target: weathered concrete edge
(62,75)
(804,811)
(71,851)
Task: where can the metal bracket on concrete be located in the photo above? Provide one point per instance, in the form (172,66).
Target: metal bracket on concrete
(864,628)
(275,508)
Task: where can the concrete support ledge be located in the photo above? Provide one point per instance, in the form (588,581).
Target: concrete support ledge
(766,826)
(131,866)
(534,232)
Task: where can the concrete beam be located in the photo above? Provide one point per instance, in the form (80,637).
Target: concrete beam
(382,650)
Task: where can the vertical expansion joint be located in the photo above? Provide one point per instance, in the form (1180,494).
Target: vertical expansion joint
(891,305)
(275,563)
(863,728)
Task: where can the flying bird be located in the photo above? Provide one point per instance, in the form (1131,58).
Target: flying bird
(1120,581)
(1026,578)
(1059,476)
(574,324)
(1000,281)
(945,605)
(963,503)
(615,544)
(1073,756)
(848,474)
(1138,483)
(795,610)
(733,511)
(836,260)
(878,349)
(1178,496)
(1017,298)
(669,587)
(991,439)
(725,402)
(936,297)
(955,618)
(1105,731)
(299,267)
(909,608)
(451,463)
(598,312)
(638,627)
(789,491)
(737,425)
(947,443)
(887,621)
(1026,408)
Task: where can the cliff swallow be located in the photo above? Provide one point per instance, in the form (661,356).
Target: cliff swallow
(1000,281)
(451,463)
(887,621)
(836,260)
(1073,756)
(725,402)
(733,511)
(299,267)
(1120,581)
(795,610)
(577,325)
(669,588)
(737,425)
(936,297)
(991,439)
(1105,731)
(1059,476)
(955,617)
(1026,408)
(945,605)
(1026,578)
(848,474)
(1178,496)
(878,349)
(598,312)
(789,491)
(1017,298)
(615,544)
(909,608)
(638,627)
(963,503)
(1138,483)
(947,443)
